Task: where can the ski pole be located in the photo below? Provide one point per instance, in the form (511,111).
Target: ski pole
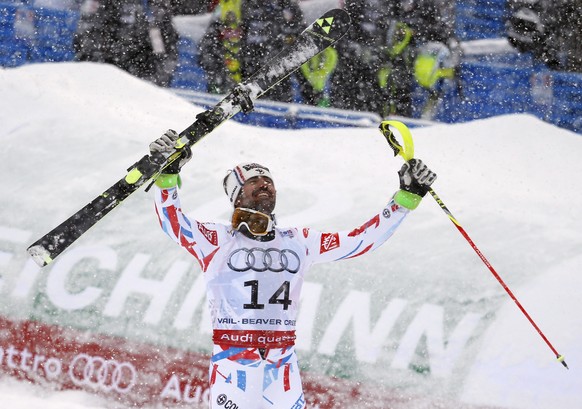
(407,153)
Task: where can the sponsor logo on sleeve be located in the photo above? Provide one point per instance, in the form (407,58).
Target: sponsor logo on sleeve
(288,233)
(329,241)
(210,235)
(305,232)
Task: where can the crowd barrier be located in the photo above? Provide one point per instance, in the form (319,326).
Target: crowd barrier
(487,84)
(490,85)
(479,19)
(35,34)
(271,114)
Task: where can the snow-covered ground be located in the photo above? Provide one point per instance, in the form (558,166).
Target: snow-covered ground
(18,395)
(68,131)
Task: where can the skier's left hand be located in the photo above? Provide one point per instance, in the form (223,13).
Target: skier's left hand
(415,181)
(416,177)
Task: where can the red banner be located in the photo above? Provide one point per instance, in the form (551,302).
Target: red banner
(140,374)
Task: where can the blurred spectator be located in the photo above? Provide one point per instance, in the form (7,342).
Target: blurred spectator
(268,26)
(431,20)
(363,54)
(220,47)
(375,71)
(316,75)
(550,29)
(437,52)
(135,35)
(242,35)
(435,64)
(192,6)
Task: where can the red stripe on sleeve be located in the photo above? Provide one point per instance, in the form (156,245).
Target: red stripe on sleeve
(361,252)
(173,218)
(206,260)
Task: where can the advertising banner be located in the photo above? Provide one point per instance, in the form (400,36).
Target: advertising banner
(103,321)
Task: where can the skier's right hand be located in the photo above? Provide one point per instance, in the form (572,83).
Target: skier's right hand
(165,145)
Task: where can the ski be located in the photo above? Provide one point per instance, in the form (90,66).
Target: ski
(322,33)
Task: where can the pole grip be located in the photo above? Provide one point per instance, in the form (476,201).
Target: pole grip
(406,150)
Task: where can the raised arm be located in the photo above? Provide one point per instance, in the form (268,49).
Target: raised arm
(415,181)
(199,239)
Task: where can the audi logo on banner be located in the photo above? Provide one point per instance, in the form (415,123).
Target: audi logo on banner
(102,374)
(270,259)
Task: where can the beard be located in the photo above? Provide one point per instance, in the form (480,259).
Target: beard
(263,200)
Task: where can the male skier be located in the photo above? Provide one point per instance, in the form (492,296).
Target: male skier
(254,272)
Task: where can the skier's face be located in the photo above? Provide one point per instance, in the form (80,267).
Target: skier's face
(259,194)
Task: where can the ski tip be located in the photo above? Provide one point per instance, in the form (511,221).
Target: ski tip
(332,25)
(40,255)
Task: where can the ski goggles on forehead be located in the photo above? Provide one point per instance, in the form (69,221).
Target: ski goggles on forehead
(257,223)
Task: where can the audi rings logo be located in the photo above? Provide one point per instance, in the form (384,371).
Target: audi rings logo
(102,374)
(270,259)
